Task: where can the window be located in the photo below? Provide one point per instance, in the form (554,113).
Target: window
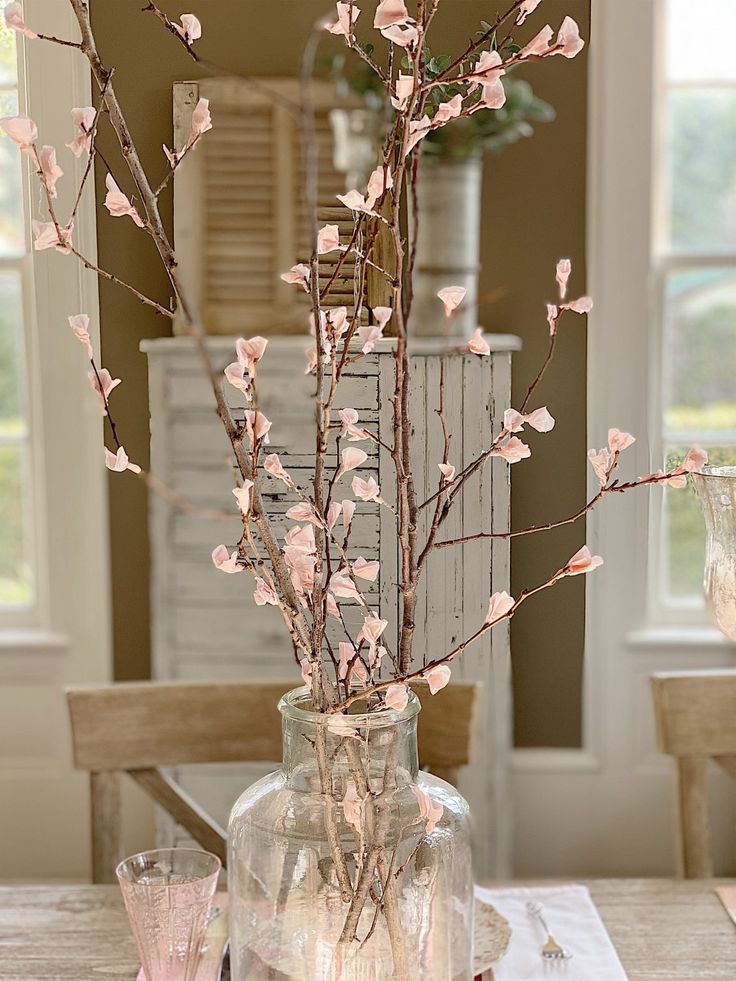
(695,262)
(16,565)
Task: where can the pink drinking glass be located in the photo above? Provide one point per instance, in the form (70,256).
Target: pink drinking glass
(167,894)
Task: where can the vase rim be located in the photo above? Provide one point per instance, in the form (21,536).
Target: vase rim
(723,472)
(289,706)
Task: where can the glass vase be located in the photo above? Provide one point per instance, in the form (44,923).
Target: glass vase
(349,863)
(716,487)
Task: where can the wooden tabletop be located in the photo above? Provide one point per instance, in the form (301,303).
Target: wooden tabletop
(664,930)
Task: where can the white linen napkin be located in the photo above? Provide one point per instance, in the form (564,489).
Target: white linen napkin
(574,922)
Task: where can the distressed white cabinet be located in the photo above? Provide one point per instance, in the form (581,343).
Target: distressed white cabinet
(205,624)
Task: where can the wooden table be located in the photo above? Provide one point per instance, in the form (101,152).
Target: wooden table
(664,930)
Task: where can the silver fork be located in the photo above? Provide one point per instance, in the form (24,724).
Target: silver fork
(550,950)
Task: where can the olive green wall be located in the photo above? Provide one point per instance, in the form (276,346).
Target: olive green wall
(533,211)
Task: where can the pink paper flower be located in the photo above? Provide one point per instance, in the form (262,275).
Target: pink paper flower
(553,315)
(430,810)
(235,375)
(242,496)
(583,304)
(539,44)
(299,274)
(540,419)
(352,805)
(342,586)
(306,670)
(272,464)
(452,297)
(347,14)
(477,343)
(250,352)
(48,236)
(527,7)
(348,510)
(201,121)
(224,562)
(513,450)
(84,119)
(380,181)
(418,129)
(79,324)
(562,274)
(333,515)
(447,110)
(493,97)
(618,441)
(264,595)
(257,427)
(21,130)
(311,356)
(190,29)
(382,315)
(14,20)
(118,462)
(328,239)
(369,335)
(371,630)
(300,539)
(695,460)
(365,569)
(568,38)
(339,725)
(355,201)
(366,489)
(118,204)
(437,678)
(303,511)
(351,458)
(489,67)
(331,606)
(582,562)
(396,697)
(390,12)
(350,428)
(448,471)
(403,35)
(50,170)
(102,383)
(499,606)
(601,462)
(404,89)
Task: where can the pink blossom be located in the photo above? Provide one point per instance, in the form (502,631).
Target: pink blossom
(348,510)
(396,697)
(562,274)
(582,562)
(190,29)
(342,586)
(403,35)
(257,427)
(583,304)
(306,670)
(331,606)
(369,335)
(347,14)
(339,725)
(350,428)
(352,807)
(79,324)
(242,496)
(447,110)
(527,7)
(489,67)
(513,450)
(300,539)
(225,562)
(299,274)
(118,462)
(499,606)
(377,656)
(328,239)
(371,630)
(618,441)
(355,201)
(301,567)
(14,20)
(351,458)
(452,297)
(118,204)
(84,119)
(540,419)
(539,44)
(366,489)
(50,170)
(201,121)
(448,471)
(390,12)
(380,181)
(21,130)
(102,383)
(477,343)
(235,374)
(48,236)
(430,810)
(272,464)
(365,569)
(568,41)
(311,355)
(695,460)
(382,315)
(333,514)
(303,511)
(601,462)
(404,89)
(264,595)
(250,352)
(553,315)
(493,97)
(437,678)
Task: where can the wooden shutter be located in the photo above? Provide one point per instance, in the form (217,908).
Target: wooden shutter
(239,204)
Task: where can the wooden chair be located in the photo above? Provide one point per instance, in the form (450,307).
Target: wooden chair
(696,721)
(138,728)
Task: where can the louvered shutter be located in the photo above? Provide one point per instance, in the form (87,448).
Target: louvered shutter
(239,204)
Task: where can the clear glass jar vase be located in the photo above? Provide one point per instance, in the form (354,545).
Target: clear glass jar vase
(716,487)
(349,863)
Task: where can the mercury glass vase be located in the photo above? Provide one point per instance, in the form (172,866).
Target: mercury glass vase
(716,487)
(349,863)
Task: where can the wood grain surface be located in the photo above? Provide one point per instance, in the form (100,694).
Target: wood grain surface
(664,930)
